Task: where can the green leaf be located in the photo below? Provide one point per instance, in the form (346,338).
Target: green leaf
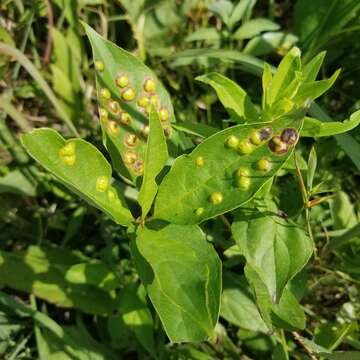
(254,27)
(134,315)
(186,193)
(238,306)
(275,248)
(287,314)
(314,89)
(312,164)
(284,74)
(125,129)
(312,68)
(222,8)
(204,34)
(266,81)
(81,167)
(236,101)
(242,10)
(317,128)
(42,271)
(270,42)
(156,156)
(182,275)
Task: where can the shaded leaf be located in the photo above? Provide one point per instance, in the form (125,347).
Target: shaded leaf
(254,27)
(182,275)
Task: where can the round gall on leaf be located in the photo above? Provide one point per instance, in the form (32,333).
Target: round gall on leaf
(130,157)
(131,140)
(264,165)
(113,128)
(243,183)
(199,161)
(68,160)
(68,149)
(99,65)
(102,183)
(105,93)
(138,167)
(103,114)
(128,94)
(149,85)
(154,100)
(245,147)
(232,142)
(114,107)
(145,131)
(216,198)
(164,114)
(199,211)
(277,146)
(289,136)
(265,133)
(111,195)
(255,137)
(143,102)
(125,118)
(122,81)
(242,172)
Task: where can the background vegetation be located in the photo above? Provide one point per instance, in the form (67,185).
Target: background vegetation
(49,307)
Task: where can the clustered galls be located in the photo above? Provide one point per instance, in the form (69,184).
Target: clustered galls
(119,123)
(278,144)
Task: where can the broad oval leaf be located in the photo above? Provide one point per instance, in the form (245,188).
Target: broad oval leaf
(236,101)
(186,195)
(156,156)
(182,275)
(275,248)
(126,88)
(81,167)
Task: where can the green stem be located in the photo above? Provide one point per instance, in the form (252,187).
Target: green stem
(16,115)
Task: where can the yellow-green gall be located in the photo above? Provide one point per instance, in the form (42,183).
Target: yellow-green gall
(111,195)
(216,198)
(138,167)
(105,93)
(113,128)
(164,114)
(114,107)
(246,147)
(242,172)
(131,140)
(255,137)
(122,81)
(67,154)
(232,142)
(243,182)
(199,211)
(143,102)
(145,131)
(200,161)
(102,183)
(125,118)
(149,85)
(154,100)
(99,65)
(130,157)
(103,114)
(264,165)
(128,94)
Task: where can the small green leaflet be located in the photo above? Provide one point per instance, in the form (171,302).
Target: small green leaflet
(156,156)
(182,275)
(81,167)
